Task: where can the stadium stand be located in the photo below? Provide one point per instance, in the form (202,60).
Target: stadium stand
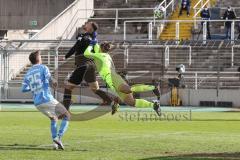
(201,58)
(107,28)
(169,31)
(224,4)
(185,28)
(208,66)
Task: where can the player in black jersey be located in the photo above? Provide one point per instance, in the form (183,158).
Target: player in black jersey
(85,68)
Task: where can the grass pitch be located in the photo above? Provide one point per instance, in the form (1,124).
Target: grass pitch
(203,136)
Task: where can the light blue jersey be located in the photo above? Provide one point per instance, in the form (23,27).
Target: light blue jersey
(37,80)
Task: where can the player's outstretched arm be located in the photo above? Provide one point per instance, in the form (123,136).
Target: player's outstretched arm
(96,48)
(88,52)
(72,50)
(25,86)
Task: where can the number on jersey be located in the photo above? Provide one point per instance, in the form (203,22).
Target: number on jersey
(35,82)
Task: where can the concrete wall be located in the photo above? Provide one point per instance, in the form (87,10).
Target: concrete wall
(193,97)
(189,97)
(17,14)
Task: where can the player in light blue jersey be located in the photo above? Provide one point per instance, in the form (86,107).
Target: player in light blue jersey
(38,80)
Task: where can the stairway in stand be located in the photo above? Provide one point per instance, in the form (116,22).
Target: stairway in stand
(169,32)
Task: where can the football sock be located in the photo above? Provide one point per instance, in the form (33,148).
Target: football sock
(63,127)
(104,96)
(67,98)
(142,88)
(54,129)
(141,103)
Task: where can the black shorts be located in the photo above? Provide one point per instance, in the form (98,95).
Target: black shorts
(86,72)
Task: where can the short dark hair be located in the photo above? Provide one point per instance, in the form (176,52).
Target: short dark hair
(94,26)
(105,46)
(33,57)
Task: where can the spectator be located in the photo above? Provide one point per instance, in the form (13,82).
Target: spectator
(205,15)
(229,15)
(185,4)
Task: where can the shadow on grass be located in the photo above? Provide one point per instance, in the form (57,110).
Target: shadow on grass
(199,156)
(31,147)
(23,147)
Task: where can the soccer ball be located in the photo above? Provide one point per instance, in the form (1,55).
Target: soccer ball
(181,68)
(159,12)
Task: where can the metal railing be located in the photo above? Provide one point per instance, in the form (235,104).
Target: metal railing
(166,57)
(200,77)
(221,9)
(115,15)
(167,49)
(196,79)
(168,8)
(53,30)
(197,9)
(165,4)
(199,6)
(178,23)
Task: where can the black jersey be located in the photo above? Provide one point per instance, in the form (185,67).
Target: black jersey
(79,47)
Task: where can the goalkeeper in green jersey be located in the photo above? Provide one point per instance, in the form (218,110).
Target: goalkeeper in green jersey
(107,71)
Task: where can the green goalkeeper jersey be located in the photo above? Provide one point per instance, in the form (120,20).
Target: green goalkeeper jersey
(104,64)
(106,70)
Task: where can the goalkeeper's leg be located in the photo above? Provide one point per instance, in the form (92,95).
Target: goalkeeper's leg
(141,103)
(102,94)
(138,88)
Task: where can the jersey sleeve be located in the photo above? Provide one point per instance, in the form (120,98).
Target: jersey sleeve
(72,50)
(94,40)
(88,52)
(96,48)
(47,74)
(26,85)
